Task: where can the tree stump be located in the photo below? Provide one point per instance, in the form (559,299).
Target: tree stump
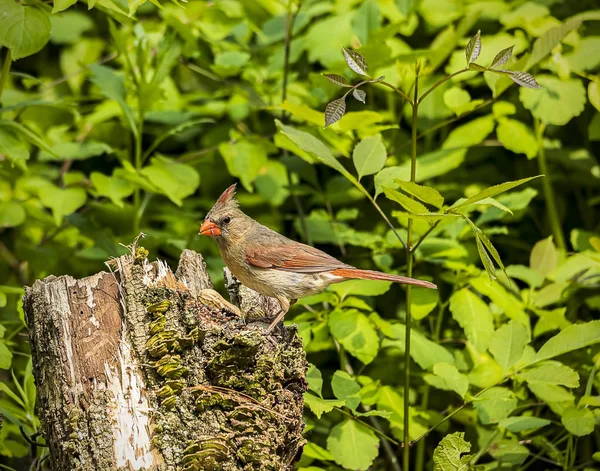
(141,369)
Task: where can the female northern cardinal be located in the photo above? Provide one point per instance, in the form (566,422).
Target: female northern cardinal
(274,265)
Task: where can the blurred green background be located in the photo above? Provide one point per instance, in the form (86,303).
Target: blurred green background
(126,116)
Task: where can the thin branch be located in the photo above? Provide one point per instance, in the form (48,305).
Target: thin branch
(438,83)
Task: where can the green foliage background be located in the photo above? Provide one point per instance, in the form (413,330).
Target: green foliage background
(126,116)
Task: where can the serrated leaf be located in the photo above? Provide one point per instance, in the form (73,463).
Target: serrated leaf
(485,258)
(578,421)
(355,61)
(572,338)
(524,79)
(447,377)
(345,388)
(502,56)
(334,111)
(360,95)
(447,455)
(424,193)
(551,372)
(493,191)
(473,48)
(337,80)
(353,445)
(320,406)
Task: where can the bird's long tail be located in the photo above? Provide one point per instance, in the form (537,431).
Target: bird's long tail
(376,275)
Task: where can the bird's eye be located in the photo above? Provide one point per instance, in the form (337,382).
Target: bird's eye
(226,220)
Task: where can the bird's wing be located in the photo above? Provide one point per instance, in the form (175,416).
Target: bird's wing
(291,256)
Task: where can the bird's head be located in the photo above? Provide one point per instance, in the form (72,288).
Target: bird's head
(225,220)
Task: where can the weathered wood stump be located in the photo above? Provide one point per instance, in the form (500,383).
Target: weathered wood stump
(141,369)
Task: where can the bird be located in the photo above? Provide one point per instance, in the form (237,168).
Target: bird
(275,266)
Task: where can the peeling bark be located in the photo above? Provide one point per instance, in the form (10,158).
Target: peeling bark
(139,370)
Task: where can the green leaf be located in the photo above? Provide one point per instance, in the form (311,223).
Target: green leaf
(449,454)
(308,143)
(346,389)
(508,344)
(579,422)
(353,445)
(61,5)
(314,379)
(24,29)
(492,191)
(337,80)
(509,452)
(5,357)
(245,159)
(334,111)
(319,406)
(412,206)
(77,150)
(594,93)
(544,257)
(62,202)
(551,372)
(473,48)
(474,316)
(356,333)
(494,405)
(12,214)
(523,423)
(446,376)
(424,300)
(112,86)
(517,137)
(13,148)
(369,156)
(502,56)
(174,180)
(314,451)
(572,338)
(114,188)
(355,61)
(558,102)
(424,193)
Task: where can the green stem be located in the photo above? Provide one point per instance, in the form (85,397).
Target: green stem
(398,91)
(409,264)
(438,83)
(5,71)
(557,232)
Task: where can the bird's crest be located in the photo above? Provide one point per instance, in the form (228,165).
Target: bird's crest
(227,198)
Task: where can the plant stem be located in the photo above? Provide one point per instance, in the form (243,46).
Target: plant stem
(424,236)
(409,270)
(5,71)
(437,84)
(559,238)
(399,92)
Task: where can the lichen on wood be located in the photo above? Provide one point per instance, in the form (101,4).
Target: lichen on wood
(136,369)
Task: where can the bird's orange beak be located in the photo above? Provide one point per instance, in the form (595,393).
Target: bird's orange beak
(209,228)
